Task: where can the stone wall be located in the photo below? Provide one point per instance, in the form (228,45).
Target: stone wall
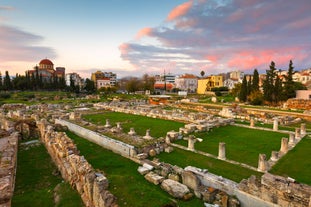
(91,185)
(8,156)
(278,190)
(102,140)
(298,104)
(270,191)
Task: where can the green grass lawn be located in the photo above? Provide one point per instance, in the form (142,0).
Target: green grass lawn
(125,182)
(296,163)
(242,144)
(185,158)
(290,127)
(35,181)
(158,127)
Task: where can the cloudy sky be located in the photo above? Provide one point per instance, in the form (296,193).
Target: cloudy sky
(133,37)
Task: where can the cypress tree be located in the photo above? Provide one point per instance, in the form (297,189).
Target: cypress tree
(249,86)
(255,83)
(243,91)
(1,81)
(7,84)
(289,86)
(268,86)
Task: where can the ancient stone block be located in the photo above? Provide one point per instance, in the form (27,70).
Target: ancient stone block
(174,188)
(143,170)
(190,180)
(174,177)
(154,178)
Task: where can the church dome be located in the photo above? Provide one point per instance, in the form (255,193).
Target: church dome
(46,62)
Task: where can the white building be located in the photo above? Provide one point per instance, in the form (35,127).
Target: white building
(187,82)
(75,77)
(103,82)
(230,82)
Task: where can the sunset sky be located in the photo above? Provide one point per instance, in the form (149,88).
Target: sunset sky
(133,37)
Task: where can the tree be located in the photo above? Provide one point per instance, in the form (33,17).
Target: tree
(278,90)
(255,83)
(1,81)
(202,73)
(89,86)
(243,91)
(255,98)
(268,86)
(289,85)
(249,86)
(235,91)
(133,84)
(148,82)
(7,85)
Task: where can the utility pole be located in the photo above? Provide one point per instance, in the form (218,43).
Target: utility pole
(164,82)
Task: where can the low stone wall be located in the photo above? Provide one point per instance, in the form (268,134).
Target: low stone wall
(102,140)
(270,191)
(8,156)
(298,104)
(91,185)
(277,190)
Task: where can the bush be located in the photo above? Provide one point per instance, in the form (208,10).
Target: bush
(5,95)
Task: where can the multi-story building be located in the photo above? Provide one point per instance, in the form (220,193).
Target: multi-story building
(168,78)
(103,83)
(236,75)
(187,82)
(206,84)
(230,83)
(75,77)
(99,75)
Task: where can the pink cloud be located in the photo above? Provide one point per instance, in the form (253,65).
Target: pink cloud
(213,58)
(124,49)
(144,32)
(179,11)
(249,59)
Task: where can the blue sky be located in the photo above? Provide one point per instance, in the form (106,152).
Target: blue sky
(138,36)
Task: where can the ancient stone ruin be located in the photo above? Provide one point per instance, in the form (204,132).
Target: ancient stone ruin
(8,158)
(91,185)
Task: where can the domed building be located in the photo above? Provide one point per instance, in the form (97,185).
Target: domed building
(46,70)
(46,64)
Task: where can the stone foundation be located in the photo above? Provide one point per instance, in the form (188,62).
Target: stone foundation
(91,185)
(8,156)
(298,104)
(278,190)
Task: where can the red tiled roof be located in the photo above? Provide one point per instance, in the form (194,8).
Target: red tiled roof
(46,62)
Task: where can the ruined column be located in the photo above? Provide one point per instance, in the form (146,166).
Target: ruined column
(274,156)
(275,124)
(222,151)
(118,125)
(284,145)
(303,129)
(132,131)
(252,122)
(167,140)
(297,133)
(147,136)
(291,138)
(262,163)
(107,123)
(191,141)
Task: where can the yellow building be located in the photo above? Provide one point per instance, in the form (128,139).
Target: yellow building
(206,84)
